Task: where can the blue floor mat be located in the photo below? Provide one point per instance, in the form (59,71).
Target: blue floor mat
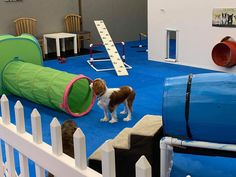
(147,78)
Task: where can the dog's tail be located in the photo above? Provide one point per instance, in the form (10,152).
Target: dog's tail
(130,100)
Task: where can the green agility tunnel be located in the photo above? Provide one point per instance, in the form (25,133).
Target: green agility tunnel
(27,78)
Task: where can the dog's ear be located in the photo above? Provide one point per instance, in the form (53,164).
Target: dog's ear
(99,86)
(99,79)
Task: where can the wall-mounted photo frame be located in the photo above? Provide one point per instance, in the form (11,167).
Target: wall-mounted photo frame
(224,17)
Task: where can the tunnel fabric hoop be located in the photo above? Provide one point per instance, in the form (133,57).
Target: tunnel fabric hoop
(66,103)
(56,89)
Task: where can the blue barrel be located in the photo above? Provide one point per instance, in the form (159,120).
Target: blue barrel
(206,113)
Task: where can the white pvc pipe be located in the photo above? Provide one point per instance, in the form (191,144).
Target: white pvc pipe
(167,144)
(165,163)
(199,144)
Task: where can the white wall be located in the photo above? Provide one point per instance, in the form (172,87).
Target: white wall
(196,36)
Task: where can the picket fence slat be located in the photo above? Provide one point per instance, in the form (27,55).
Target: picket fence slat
(143,168)
(108,160)
(56,137)
(5,109)
(20,128)
(10,160)
(2,167)
(8,148)
(40,172)
(24,167)
(36,126)
(80,149)
(20,118)
(37,137)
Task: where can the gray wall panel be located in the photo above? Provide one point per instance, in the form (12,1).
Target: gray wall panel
(49,13)
(125,19)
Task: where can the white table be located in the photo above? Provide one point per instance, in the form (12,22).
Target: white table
(57,37)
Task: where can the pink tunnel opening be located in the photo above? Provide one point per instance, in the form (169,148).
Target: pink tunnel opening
(65,104)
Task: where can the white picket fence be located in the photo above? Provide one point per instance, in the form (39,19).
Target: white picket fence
(46,157)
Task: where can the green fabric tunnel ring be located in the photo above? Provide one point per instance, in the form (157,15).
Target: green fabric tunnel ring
(55,89)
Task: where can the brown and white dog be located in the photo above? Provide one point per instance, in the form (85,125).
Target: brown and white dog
(110,98)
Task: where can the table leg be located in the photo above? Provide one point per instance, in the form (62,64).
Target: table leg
(58,47)
(75,45)
(45,45)
(63,45)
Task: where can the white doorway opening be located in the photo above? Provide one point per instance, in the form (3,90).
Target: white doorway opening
(171,45)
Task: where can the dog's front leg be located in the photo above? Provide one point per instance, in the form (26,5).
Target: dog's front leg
(102,105)
(105,118)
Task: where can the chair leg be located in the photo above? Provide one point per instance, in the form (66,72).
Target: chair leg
(78,44)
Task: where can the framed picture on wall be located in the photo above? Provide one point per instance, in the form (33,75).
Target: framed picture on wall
(224,17)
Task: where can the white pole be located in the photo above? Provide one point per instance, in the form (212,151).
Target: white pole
(164,167)
(170,156)
(167,143)
(200,144)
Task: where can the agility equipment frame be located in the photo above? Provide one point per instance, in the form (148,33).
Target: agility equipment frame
(92,59)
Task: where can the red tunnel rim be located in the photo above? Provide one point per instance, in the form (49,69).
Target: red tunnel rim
(227,62)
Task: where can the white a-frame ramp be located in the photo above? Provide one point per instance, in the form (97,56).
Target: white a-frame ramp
(111,49)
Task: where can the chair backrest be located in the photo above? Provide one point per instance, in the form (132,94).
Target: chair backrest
(72,23)
(25,25)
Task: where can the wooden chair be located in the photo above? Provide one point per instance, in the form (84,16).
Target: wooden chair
(28,25)
(73,25)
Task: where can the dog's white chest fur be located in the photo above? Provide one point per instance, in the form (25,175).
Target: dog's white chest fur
(105,98)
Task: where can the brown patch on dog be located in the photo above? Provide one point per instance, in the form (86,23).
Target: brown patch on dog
(99,87)
(117,97)
(68,128)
